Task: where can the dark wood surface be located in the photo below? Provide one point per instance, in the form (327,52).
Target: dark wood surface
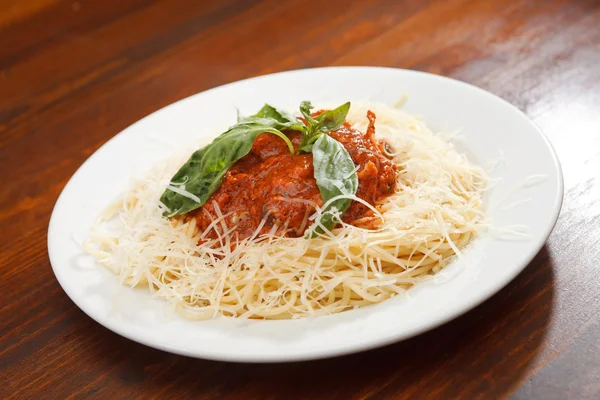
(75,73)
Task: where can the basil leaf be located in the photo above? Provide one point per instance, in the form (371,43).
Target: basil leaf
(305,108)
(333,119)
(268,111)
(279,119)
(335,174)
(203,173)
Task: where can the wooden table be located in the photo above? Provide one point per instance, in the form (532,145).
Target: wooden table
(75,73)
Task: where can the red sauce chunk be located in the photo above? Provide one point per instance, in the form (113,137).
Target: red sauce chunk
(273,183)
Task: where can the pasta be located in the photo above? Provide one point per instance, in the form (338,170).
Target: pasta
(435,211)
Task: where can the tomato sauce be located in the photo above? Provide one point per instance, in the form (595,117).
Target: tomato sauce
(270,182)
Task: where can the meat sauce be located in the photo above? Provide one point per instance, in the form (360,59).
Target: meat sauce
(271,182)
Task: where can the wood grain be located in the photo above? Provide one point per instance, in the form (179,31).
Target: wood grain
(75,73)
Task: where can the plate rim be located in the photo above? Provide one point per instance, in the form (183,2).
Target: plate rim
(392,337)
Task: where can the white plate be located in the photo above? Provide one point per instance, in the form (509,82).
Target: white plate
(490,127)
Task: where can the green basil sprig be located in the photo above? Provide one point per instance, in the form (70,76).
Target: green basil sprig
(334,169)
(325,122)
(335,175)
